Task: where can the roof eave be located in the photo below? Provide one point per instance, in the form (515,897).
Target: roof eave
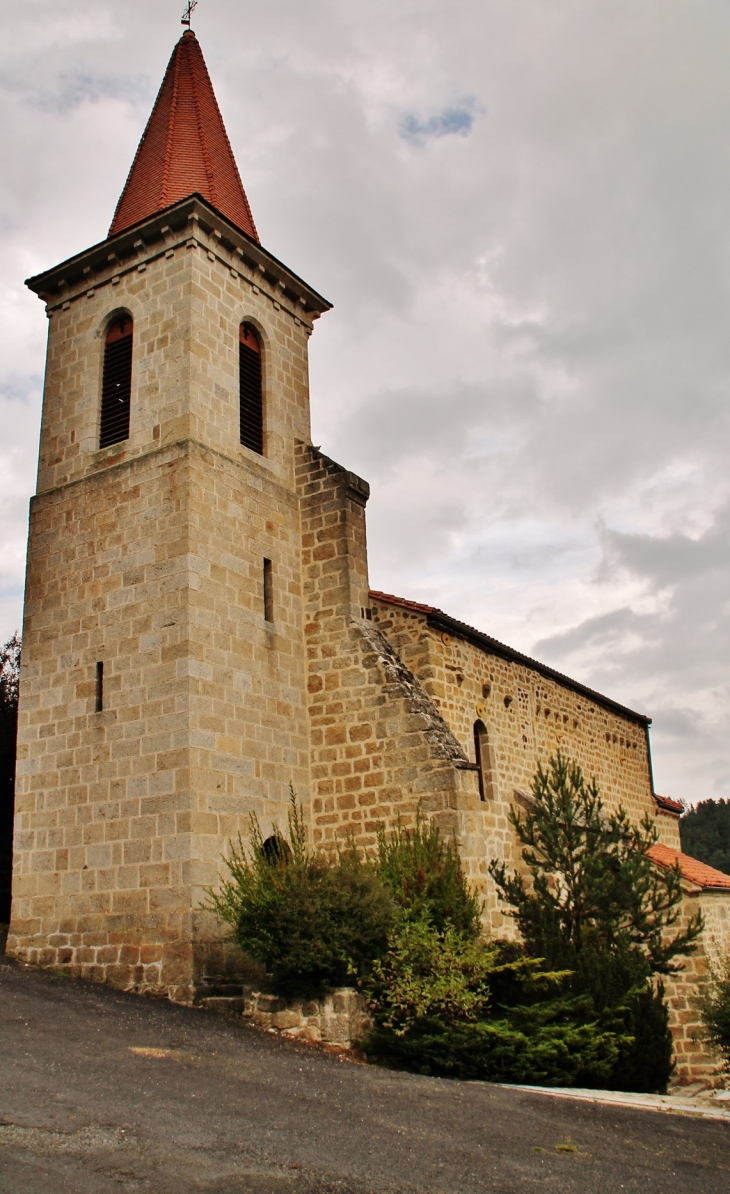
(177,215)
(442,621)
(438,620)
(666,806)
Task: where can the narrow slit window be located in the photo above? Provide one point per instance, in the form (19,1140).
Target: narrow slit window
(268,592)
(99,701)
(484,761)
(116,385)
(250,390)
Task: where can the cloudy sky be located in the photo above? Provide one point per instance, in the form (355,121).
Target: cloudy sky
(521,211)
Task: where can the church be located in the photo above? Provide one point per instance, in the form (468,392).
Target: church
(199,630)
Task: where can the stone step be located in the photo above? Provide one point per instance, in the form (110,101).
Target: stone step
(224,1005)
(211,988)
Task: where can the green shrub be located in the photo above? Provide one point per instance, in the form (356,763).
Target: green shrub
(423,873)
(644,1063)
(315,923)
(714,1008)
(444,1000)
(438,1003)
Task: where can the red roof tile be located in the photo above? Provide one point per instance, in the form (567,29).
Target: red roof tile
(671,806)
(184,149)
(696,872)
(389,599)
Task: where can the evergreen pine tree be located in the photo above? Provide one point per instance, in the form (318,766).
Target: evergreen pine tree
(596,905)
(705,833)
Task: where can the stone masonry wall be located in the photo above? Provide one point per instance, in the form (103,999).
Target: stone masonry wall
(528,716)
(248,725)
(339,1019)
(187,289)
(100,804)
(379,746)
(148,556)
(695,1061)
(248,711)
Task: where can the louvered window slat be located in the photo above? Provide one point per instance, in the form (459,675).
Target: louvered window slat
(252,415)
(116,391)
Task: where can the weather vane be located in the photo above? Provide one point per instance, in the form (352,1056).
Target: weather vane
(189,8)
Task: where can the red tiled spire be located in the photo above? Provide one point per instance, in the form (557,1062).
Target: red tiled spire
(184,149)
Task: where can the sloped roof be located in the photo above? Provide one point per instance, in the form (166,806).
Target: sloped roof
(696,872)
(184,149)
(439,620)
(669,805)
(404,603)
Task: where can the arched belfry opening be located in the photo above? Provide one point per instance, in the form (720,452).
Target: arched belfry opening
(251,389)
(485,761)
(116,384)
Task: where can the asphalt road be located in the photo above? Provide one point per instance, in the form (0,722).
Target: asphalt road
(102,1091)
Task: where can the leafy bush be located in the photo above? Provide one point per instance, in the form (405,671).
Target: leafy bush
(597,906)
(316,924)
(444,1000)
(423,873)
(714,1008)
(438,998)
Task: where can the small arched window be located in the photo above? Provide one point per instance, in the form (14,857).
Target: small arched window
(116,385)
(250,389)
(484,761)
(276,850)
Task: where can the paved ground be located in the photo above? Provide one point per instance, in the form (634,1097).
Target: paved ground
(102,1091)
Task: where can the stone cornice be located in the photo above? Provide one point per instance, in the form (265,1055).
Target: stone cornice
(191,223)
(183,447)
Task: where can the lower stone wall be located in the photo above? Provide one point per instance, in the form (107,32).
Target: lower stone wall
(338,1019)
(694,1060)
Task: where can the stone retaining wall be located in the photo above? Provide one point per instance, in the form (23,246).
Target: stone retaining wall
(338,1019)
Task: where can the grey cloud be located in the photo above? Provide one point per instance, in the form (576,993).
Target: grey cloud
(675,658)
(682,725)
(602,633)
(77,88)
(19,389)
(441,424)
(57,91)
(685,638)
(671,559)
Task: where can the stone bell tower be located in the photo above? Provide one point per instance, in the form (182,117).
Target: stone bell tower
(164,671)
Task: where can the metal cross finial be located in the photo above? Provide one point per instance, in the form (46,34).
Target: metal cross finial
(189,7)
